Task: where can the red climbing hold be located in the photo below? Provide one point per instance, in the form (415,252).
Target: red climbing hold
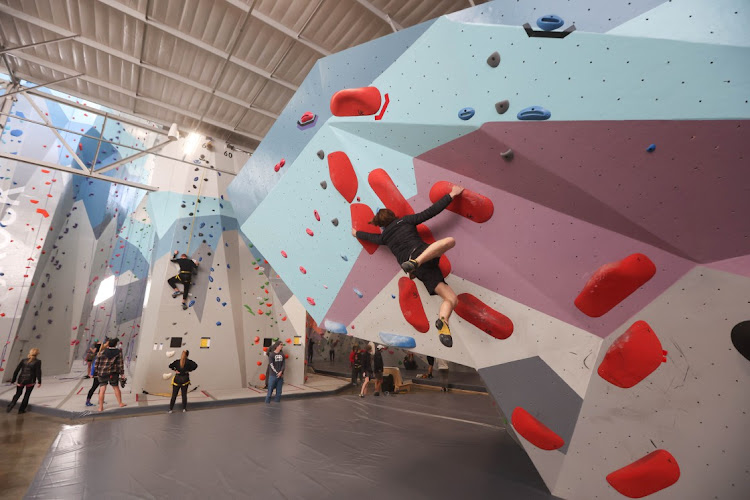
(283,254)
(411,305)
(256,339)
(34,201)
(444,264)
(278,166)
(311,301)
(288,341)
(534,431)
(361,217)
(652,473)
(383,185)
(342,175)
(470,204)
(483,316)
(259,363)
(612,283)
(43,212)
(262,376)
(317,215)
(302,270)
(356,102)
(632,357)
(309,231)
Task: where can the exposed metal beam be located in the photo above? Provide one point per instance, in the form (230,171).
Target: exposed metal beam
(10,71)
(197,42)
(130,93)
(55,131)
(288,32)
(70,170)
(24,89)
(134,157)
(138,62)
(382,15)
(3,51)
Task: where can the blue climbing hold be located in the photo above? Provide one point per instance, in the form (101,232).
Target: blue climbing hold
(466,113)
(534,113)
(192,303)
(550,22)
(651,148)
(223,304)
(345,258)
(218,299)
(359,294)
(16,133)
(218,323)
(393,340)
(211,279)
(334,327)
(393,296)
(203,224)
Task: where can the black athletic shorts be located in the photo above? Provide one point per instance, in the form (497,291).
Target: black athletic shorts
(379,376)
(428,273)
(110,379)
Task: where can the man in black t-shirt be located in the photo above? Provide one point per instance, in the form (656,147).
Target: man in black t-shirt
(185,276)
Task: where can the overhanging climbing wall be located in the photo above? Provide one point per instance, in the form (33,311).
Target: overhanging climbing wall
(605,259)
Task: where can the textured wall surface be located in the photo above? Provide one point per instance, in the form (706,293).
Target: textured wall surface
(64,235)
(643,154)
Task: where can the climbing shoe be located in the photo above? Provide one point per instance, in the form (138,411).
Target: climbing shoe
(445,333)
(176,294)
(184,306)
(410,266)
(89,403)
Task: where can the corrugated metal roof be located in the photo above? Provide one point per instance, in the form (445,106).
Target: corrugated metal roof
(224,67)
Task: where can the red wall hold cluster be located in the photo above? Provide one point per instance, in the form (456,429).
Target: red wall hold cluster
(534,431)
(632,357)
(613,282)
(654,472)
(383,185)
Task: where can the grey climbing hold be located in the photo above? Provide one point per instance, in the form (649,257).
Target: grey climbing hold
(508,155)
(494,59)
(321,154)
(335,222)
(323,184)
(502,106)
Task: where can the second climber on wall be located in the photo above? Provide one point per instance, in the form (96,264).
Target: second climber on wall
(185,276)
(417,258)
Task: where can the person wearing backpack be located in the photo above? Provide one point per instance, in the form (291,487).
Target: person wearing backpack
(377,366)
(27,372)
(354,364)
(366,370)
(110,368)
(181,379)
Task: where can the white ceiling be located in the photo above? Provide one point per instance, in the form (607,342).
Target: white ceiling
(224,67)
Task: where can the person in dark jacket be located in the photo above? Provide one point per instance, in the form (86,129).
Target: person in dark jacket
(27,372)
(110,368)
(92,373)
(277,362)
(366,369)
(377,368)
(181,380)
(185,276)
(416,257)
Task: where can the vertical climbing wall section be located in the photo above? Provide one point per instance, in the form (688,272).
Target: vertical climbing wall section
(602,258)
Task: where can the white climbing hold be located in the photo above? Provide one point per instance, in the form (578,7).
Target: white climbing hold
(170,354)
(165,376)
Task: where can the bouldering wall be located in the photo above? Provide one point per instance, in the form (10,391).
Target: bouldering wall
(602,259)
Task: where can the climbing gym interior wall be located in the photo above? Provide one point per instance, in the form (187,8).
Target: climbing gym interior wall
(84,259)
(602,254)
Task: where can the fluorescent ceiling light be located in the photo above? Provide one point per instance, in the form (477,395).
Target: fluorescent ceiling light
(191,143)
(106,290)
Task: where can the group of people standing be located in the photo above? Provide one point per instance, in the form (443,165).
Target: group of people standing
(367,366)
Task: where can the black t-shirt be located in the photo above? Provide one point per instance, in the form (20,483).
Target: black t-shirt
(187,266)
(378,362)
(401,235)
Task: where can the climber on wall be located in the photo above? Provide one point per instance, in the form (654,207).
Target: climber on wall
(185,276)
(417,258)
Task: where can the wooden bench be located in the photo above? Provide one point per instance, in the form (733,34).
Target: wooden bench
(401,386)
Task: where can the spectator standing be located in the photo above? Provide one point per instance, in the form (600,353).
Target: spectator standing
(27,372)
